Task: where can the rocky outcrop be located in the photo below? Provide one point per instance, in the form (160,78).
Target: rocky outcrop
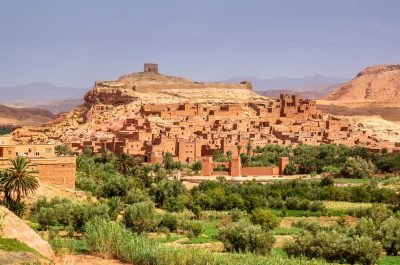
(379,83)
(14,227)
(129,88)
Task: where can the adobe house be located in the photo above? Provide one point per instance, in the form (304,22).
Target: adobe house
(52,169)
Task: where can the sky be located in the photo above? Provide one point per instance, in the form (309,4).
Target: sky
(76,42)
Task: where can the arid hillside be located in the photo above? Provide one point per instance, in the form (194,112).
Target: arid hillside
(379,83)
(110,103)
(24,116)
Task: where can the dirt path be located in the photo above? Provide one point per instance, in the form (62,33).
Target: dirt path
(86,260)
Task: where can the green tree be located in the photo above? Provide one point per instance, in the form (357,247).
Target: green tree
(266,219)
(390,231)
(168,160)
(291,168)
(357,167)
(196,167)
(197,228)
(141,217)
(46,217)
(243,236)
(124,162)
(63,150)
(19,180)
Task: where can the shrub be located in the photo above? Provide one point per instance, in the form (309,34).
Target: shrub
(141,217)
(135,196)
(291,168)
(197,228)
(266,219)
(237,214)
(62,245)
(356,167)
(116,186)
(334,246)
(46,217)
(113,240)
(243,236)
(169,221)
(18,208)
(390,231)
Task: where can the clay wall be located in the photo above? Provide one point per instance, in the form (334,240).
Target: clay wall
(260,171)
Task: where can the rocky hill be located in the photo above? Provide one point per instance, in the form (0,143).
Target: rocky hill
(110,103)
(379,83)
(24,116)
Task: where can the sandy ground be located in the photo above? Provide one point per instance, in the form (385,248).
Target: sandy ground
(86,260)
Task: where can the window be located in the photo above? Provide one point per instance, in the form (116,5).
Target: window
(49,150)
(37,154)
(9,152)
(2,142)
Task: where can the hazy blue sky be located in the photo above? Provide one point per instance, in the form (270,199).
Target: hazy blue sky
(74,43)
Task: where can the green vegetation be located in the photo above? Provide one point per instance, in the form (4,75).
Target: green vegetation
(11,244)
(111,239)
(139,207)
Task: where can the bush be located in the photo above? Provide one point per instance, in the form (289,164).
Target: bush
(18,208)
(243,236)
(197,228)
(113,240)
(291,168)
(334,246)
(169,221)
(266,219)
(135,196)
(356,167)
(390,231)
(46,217)
(237,214)
(141,217)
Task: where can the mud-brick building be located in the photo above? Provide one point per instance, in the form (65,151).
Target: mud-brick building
(51,169)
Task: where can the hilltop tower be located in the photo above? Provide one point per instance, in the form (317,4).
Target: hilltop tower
(151,68)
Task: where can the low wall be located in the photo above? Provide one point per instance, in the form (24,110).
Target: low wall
(217,173)
(58,170)
(260,171)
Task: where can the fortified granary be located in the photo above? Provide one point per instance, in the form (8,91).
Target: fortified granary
(148,114)
(191,131)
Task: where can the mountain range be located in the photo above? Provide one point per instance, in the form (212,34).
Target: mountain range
(315,86)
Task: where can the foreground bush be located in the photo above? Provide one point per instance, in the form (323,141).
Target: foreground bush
(243,236)
(113,240)
(266,219)
(141,217)
(335,246)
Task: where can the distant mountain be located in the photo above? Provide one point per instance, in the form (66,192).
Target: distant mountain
(24,116)
(35,92)
(60,106)
(315,92)
(289,83)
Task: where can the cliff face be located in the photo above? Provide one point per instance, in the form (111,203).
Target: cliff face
(380,83)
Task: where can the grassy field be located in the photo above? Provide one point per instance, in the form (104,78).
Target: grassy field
(389,260)
(345,206)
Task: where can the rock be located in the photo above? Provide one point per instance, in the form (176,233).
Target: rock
(379,83)
(14,227)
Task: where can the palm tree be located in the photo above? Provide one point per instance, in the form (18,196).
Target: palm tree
(19,180)
(124,162)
